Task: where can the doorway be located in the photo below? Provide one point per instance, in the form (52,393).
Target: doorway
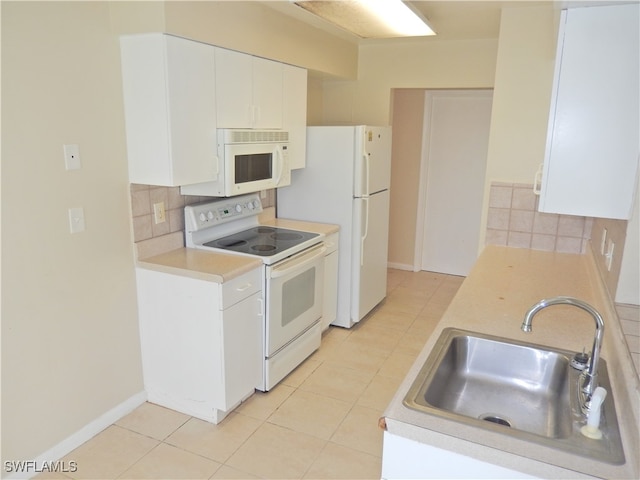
(455,143)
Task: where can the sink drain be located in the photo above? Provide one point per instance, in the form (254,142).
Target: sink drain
(490,417)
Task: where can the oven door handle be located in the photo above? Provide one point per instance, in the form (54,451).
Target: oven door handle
(299,262)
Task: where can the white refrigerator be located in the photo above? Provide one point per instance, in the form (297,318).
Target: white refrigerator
(346,182)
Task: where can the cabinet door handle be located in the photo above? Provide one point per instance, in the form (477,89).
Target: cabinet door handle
(537,180)
(244,287)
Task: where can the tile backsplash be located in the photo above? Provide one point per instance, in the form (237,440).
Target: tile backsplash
(630,320)
(513,220)
(151,238)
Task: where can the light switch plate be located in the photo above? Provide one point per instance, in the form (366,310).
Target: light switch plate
(76,220)
(71,157)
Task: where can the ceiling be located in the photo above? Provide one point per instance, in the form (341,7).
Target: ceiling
(451,19)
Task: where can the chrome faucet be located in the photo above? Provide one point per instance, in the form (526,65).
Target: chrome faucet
(589,377)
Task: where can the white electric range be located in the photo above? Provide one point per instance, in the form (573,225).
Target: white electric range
(293,275)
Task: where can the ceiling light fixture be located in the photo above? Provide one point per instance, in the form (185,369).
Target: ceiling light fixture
(370,18)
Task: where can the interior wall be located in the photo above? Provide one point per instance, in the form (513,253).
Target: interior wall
(250,27)
(70,344)
(408,127)
(522,97)
(422,63)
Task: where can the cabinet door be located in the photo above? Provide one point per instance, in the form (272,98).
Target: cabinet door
(294,113)
(267,93)
(242,349)
(170,112)
(234,85)
(248,91)
(192,109)
(591,168)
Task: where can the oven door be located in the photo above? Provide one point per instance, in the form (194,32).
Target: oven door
(294,297)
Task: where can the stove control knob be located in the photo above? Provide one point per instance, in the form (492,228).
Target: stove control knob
(238,208)
(203,217)
(210,215)
(251,206)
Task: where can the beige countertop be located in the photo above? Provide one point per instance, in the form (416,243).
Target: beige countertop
(493,299)
(200,264)
(322,228)
(220,267)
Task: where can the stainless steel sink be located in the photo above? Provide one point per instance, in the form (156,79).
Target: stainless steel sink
(514,388)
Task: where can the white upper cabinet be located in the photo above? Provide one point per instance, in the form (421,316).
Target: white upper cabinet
(591,164)
(249,91)
(294,113)
(170,109)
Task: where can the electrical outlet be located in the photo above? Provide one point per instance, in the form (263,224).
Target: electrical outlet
(609,255)
(159,214)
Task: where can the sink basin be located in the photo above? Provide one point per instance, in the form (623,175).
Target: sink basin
(514,388)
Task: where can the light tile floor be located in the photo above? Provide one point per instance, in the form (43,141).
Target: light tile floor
(320,422)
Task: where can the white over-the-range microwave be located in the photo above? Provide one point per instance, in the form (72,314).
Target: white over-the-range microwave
(247,161)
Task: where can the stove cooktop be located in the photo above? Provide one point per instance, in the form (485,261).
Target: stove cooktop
(264,241)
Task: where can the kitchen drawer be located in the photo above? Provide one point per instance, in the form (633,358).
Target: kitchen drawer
(240,287)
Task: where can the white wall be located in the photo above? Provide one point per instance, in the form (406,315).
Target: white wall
(70,347)
(421,63)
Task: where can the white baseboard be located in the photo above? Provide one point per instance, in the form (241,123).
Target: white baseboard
(81,436)
(402,266)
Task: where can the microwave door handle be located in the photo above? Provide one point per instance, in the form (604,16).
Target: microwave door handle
(280,161)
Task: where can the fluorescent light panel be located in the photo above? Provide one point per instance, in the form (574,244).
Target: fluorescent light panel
(370,18)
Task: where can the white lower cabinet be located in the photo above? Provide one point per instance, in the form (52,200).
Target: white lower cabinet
(403,458)
(330,302)
(201,341)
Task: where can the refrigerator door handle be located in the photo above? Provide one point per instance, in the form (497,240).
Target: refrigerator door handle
(363,237)
(366,161)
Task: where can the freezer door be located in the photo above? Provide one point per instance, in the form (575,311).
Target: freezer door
(369,253)
(372,160)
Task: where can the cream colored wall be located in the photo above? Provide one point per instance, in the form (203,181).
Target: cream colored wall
(408,123)
(406,64)
(70,346)
(249,27)
(522,96)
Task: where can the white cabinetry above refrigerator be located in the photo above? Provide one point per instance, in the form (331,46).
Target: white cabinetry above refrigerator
(170,109)
(591,164)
